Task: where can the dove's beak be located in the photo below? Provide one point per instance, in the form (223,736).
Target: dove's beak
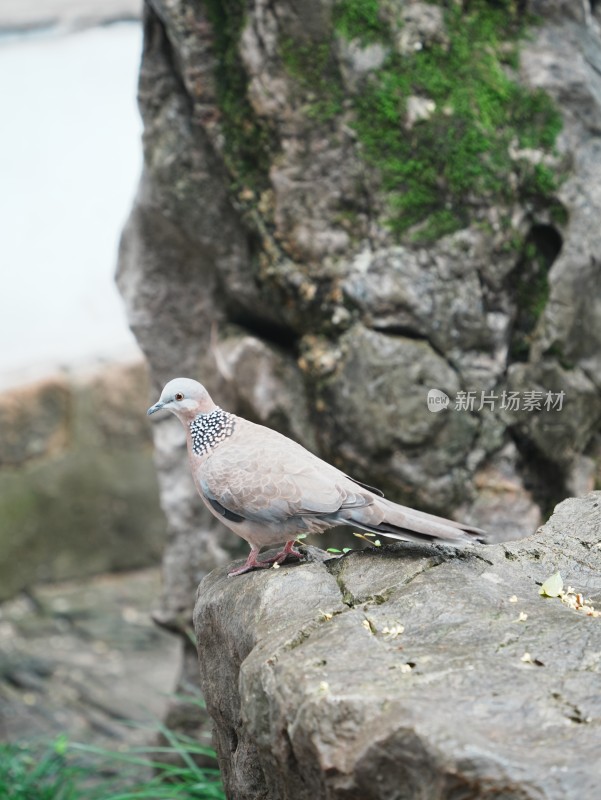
(156,407)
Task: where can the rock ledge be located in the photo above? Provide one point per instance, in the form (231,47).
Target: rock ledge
(402,672)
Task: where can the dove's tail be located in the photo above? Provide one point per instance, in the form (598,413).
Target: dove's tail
(394,521)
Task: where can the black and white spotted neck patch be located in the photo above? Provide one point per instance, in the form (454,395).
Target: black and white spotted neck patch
(209,430)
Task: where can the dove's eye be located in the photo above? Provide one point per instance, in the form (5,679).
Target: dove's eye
(179,396)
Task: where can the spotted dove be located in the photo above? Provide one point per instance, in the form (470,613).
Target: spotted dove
(268,489)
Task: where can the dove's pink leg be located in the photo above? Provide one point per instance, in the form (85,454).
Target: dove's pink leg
(286,552)
(252,562)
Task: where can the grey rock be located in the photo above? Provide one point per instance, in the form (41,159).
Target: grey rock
(379,390)
(358,60)
(78,491)
(503,505)
(311,186)
(267,84)
(266,386)
(419,109)
(84,658)
(413,290)
(564,428)
(408,673)
(421,25)
(565,62)
(301,260)
(559,10)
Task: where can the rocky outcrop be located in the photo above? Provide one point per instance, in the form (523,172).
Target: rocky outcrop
(78,493)
(266,207)
(363,230)
(411,672)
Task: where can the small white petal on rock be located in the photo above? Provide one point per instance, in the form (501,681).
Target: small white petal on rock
(392,631)
(526,658)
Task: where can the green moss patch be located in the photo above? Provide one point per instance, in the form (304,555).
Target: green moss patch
(529,285)
(439,172)
(247,139)
(360,19)
(316,74)
(441,169)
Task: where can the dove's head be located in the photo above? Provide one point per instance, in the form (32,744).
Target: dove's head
(185,398)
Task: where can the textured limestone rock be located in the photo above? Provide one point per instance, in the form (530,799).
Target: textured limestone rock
(78,492)
(378,380)
(415,290)
(565,60)
(407,672)
(420,25)
(83,658)
(258,209)
(503,503)
(559,436)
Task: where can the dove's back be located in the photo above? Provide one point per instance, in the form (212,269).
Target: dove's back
(259,479)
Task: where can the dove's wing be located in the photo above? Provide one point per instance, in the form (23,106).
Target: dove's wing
(262,476)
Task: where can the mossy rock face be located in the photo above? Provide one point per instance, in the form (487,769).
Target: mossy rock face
(438,111)
(408,121)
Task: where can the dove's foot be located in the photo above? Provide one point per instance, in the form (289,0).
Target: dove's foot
(248,568)
(288,551)
(252,562)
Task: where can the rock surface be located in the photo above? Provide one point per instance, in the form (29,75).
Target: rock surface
(407,672)
(78,493)
(259,210)
(84,659)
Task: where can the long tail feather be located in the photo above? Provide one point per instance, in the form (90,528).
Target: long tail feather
(394,521)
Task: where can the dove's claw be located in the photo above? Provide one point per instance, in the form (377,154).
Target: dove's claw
(289,551)
(252,562)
